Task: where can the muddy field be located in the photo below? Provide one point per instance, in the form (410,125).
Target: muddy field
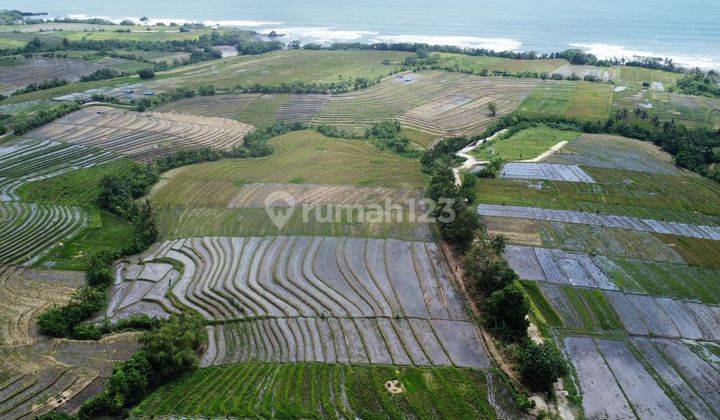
(142,136)
(17,74)
(545,171)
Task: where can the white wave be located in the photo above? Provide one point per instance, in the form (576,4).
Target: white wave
(322,35)
(606,51)
(497,44)
(208,22)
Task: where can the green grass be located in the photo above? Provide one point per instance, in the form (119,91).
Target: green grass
(547,99)
(261,112)
(322,391)
(80,187)
(417,137)
(695,251)
(635,76)
(541,304)
(525,144)
(664,279)
(306,155)
(105,231)
(476,64)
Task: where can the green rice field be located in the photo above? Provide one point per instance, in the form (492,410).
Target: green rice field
(526,144)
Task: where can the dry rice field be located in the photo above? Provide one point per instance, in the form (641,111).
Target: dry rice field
(224,106)
(142,136)
(322,299)
(19,73)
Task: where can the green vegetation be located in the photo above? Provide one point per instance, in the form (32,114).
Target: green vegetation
(543,308)
(490,65)
(698,252)
(698,82)
(581,100)
(525,144)
(322,391)
(541,365)
(261,113)
(590,101)
(419,138)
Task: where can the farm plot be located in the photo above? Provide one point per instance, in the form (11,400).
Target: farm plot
(142,290)
(664,317)
(578,308)
(336,300)
(28,231)
(58,375)
(384,341)
(477,64)
(615,384)
(301,108)
(545,171)
(593,240)
(699,252)
(463,109)
(17,74)
(583,100)
(692,111)
(388,100)
(615,152)
(525,144)
(556,266)
(593,219)
(600,73)
(224,106)
(142,136)
(24,161)
(292,390)
(635,76)
(364,222)
(300,157)
(663,279)
(549,98)
(262,112)
(24,293)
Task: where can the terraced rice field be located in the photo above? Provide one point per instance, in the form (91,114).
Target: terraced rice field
(19,73)
(223,106)
(142,136)
(24,293)
(575,308)
(326,391)
(301,108)
(594,219)
(24,161)
(28,231)
(321,299)
(644,378)
(615,152)
(525,144)
(545,171)
(142,289)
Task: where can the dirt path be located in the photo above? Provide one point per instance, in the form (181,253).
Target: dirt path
(470,161)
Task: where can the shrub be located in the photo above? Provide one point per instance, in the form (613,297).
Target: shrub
(98,271)
(541,365)
(486,271)
(60,321)
(506,310)
(146,74)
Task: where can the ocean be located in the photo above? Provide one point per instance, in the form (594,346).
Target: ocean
(687,31)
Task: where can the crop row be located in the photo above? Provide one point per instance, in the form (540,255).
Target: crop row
(142,136)
(142,289)
(301,108)
(23,295)
(653,378)
(385,341)
(26,160)
(30,230)
(17,74)
(224,106)
(594,219)
(545,171)
(235,278)
(295,390)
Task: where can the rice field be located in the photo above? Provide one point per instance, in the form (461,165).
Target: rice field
(24,161)
(223,106)
(578,309)
(300,157)
(19,73)
(476,64)
(309,299)
(691,111)
(523,145)
(642,378)
(583,100)
(28,231)
(635,76)
(604,74)
(545,171)
(325,391)
(142,136)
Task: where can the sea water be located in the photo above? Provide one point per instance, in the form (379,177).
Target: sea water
(686,30)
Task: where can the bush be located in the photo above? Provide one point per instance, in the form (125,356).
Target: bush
(486,271)
(146,74)
(98,271)
(506,310)
(541,365)
(60,321)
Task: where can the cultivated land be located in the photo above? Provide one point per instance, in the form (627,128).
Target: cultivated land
(38,375)
(612,258)
(142,136)
(583,100)
(523,145)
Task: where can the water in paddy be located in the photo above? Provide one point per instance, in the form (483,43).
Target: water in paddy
(687,30)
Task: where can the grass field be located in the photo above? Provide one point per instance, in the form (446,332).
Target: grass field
(322,391)
(419,138)
(300,157)
(590,101)
(475,64)
(635,76)
(261,112)
(525,144)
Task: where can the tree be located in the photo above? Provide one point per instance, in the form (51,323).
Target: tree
(492,108)
(146,74)
(127,22)
(506,310)
(541,366)
(486,271)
